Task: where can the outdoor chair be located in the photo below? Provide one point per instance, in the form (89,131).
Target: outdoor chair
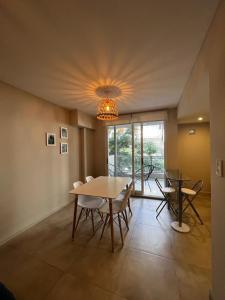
(190,195)
(166,192)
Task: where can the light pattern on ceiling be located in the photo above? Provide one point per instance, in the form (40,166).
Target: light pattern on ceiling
(64,54)
(124,90)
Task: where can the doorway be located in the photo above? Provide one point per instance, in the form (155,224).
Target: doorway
(137,151)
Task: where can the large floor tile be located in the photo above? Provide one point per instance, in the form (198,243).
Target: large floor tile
(60,254)
(192,249)
(36,238)
(151,239)
(148,217)
(194,282)
(155,263)
(61,218)
(70,288)
(99,266)
(145,276)
(27,277)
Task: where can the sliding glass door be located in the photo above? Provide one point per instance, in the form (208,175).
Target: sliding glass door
(153,156)
(137,154)
(120,150)
(137,150)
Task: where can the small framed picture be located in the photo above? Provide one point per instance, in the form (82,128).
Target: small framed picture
(50,139)
(64,133)
(64,148)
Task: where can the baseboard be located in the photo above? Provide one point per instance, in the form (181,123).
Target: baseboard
(3,242)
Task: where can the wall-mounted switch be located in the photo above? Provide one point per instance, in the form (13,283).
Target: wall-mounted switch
(219,168)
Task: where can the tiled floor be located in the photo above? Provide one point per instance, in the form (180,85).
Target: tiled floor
(156,263)
(150,187)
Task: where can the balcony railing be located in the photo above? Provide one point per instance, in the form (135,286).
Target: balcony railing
(124,164)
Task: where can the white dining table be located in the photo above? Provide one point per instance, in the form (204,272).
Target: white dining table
(106,187)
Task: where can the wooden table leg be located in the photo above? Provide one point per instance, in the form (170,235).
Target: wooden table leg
(74,216)
(111,223)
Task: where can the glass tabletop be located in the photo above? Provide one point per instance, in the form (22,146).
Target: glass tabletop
(177,175)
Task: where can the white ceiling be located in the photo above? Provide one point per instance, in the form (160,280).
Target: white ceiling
(62,50)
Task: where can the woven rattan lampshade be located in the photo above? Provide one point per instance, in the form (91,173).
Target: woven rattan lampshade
(107,110)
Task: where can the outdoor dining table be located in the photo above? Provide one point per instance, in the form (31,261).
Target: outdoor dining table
(180,178)
(106,187)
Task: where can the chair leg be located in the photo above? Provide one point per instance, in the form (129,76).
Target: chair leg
(149,185)
(170,206)
(87,213)
(100,214)
(121,232)
(92,220)
(185,199)
(161,209)
(74,216)
(173,210)
(79,217)
(103,229)
(196,212)
(129,207)
(160,205)
(124,214)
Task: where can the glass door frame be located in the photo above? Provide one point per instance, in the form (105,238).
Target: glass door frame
(141,192)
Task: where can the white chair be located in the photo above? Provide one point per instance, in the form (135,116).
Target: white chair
(166,192)
(89,178)
(118,208)
(190,195)
(88,204)
(120,198)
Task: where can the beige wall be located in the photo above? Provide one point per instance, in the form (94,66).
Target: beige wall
(171,132)
(100,155)
(87,149)
(34,178)
(90,148)
(194,152)
(82,120)
(211,59)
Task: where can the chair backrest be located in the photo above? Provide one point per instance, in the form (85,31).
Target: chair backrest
(158,184)
(170,182)
(160,187)
(89,178)
(126,197)
(197,187)
(77,184)
(150,170)
(147,170)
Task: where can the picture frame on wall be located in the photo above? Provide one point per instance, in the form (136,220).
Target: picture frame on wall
(63,148)
(50,139)
(63,133)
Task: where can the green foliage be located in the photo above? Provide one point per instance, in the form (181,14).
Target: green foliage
(124,142)
(149,148)
(124,152)
(111,146)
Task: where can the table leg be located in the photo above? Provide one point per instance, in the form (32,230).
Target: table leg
(180,226)
(74,216)
(111,223)
(167,184)
(180,203)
